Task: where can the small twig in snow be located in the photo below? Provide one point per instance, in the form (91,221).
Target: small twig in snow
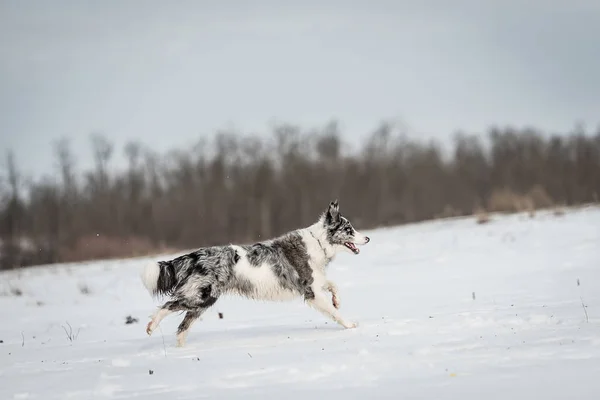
(582,304)
(23,338)
(584,310)
(163,339)
(69,333)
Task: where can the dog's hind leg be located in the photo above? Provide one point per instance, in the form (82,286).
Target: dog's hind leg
(322,304)
(166,309)
(191,317)
(184,327)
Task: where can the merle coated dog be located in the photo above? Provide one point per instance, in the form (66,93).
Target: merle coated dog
(290,266)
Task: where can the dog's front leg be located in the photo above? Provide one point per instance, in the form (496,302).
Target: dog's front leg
(335,298)
(322,304)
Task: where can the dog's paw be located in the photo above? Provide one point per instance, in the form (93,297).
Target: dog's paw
(350,325)
(149,328)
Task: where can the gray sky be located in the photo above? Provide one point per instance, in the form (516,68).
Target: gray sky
(167,73)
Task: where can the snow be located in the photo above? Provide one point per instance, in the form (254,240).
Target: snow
(446,309)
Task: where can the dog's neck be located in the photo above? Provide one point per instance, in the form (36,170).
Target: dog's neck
(319,235)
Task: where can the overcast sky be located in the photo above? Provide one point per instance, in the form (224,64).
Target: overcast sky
(167,73)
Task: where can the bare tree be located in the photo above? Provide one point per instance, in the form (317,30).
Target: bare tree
(67,207)
(66,165)
(13,215)
(103,151)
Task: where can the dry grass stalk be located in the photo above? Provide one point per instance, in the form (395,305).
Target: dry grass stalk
(448,212)
(508,201)
(504,200)
(481,216)
(540,197)
(105,247)
(558,211)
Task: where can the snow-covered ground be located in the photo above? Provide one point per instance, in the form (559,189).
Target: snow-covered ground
(447,309)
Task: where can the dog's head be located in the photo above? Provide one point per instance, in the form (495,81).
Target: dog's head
(340,232)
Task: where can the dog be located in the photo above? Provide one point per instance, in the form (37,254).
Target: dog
(284,268)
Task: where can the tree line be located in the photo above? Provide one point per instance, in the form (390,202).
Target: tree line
(242,188)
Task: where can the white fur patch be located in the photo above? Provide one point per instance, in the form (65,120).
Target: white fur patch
(265,283)
(149,276)
(319,251)
(194,285)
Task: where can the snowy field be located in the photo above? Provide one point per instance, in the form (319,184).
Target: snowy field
(446,309)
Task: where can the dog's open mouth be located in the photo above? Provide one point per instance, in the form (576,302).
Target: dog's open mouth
(352,247)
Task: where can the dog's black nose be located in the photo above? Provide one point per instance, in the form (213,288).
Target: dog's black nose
(368,239)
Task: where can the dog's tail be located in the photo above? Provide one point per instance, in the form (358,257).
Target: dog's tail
(159,277)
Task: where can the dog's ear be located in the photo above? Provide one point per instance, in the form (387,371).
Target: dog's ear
(333,212)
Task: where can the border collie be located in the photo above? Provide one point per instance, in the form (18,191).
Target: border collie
(290,266)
